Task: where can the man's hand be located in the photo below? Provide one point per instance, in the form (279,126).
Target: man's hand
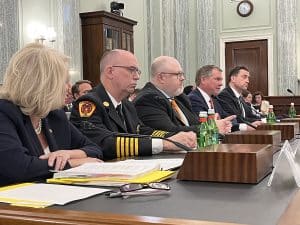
(186,138)
(224,125)
(255,124)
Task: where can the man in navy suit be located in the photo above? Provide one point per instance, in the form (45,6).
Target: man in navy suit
(209,80)
(230,97)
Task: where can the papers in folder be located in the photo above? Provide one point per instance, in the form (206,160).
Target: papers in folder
(38,195)
(115,173)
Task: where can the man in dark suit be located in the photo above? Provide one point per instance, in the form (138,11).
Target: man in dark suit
(105,112)
(230,97)
(209,80)
(161,103)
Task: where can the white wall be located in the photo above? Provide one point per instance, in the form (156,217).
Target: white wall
(230,26)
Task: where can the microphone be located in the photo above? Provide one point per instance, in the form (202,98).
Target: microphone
(179,145)
(290,91)
(237,114)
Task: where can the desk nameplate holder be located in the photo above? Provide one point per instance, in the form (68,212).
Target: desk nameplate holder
(237,163)
(272,137)
(289,153)
(288,129)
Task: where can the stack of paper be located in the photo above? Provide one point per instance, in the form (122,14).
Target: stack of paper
(122,169)
(113,174)
(42,195)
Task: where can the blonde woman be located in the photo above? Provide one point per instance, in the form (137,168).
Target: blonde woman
(35,134)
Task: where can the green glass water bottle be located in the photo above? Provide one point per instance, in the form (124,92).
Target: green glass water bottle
(292,111)
(203,132)
(271,118)
(214,131)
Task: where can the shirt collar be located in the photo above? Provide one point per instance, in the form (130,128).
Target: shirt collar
(164,93)
(235,92)
(205,95)
(113,100)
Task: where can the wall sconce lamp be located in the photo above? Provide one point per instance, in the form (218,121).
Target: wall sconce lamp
(40,33)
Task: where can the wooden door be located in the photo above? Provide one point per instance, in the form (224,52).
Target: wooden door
(252,54)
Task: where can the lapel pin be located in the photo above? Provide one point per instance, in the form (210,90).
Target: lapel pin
(106,104)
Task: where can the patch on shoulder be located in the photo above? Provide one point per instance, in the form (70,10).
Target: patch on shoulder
(86,108)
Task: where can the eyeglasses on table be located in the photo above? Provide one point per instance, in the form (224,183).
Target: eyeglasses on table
(136,189)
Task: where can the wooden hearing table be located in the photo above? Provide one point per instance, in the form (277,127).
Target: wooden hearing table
(189,203)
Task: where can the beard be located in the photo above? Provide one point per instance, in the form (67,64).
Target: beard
(179,91)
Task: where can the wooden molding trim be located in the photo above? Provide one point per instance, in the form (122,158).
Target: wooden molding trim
(11,215)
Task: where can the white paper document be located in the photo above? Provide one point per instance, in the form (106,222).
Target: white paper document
(122,169)
(166,164)
(34,194)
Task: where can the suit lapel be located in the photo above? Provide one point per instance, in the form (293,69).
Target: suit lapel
(174,116)
(36,145)
(202,98)
(49,136)
(236,101)
(110,109)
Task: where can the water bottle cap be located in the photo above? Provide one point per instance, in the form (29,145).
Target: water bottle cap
(211,111)
(202,114)
(270,106)
(292,104)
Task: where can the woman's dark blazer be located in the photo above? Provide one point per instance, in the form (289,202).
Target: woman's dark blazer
(20,147)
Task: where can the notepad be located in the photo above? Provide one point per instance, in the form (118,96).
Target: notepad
(38,195)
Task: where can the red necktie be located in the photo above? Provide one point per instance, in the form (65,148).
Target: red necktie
(211,103)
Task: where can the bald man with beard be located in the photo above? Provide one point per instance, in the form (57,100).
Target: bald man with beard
(161,103)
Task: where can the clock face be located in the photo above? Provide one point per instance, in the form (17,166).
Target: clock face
(244,8)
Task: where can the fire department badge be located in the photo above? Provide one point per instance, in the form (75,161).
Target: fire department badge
(86,108)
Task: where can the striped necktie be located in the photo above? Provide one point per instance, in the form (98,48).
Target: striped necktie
(179,113)
(240,100)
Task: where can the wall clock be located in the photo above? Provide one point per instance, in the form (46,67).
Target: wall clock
(244,8)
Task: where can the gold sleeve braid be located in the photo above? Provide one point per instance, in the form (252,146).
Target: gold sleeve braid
(159,133)
(127,146)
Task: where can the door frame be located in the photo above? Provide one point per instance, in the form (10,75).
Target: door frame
(269,37)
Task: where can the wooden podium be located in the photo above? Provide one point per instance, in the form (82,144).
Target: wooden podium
(238,163)
(288,129)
